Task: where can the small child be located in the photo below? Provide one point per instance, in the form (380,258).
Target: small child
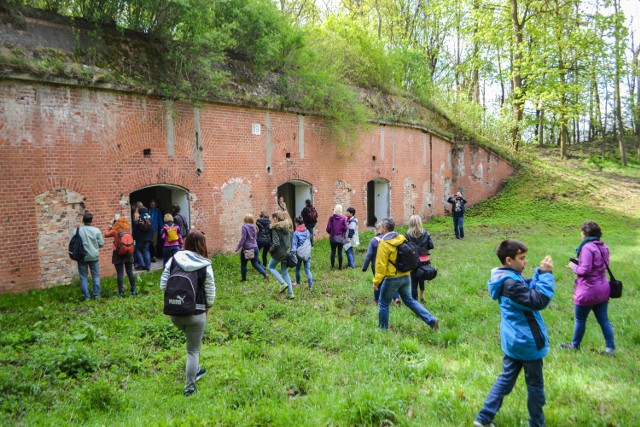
(171,238)
(370,257)
(523,333)
(353,239)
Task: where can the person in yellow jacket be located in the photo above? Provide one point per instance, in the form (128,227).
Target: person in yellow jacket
(390,280)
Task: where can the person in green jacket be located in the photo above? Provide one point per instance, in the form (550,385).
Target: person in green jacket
(281,233)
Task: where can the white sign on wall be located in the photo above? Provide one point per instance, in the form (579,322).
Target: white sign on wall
(256,129)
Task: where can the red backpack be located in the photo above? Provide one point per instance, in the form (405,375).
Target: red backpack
(125,244)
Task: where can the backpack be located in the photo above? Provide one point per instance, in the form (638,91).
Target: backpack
(407,258)
(144,222)
(172,234)
(312,214)
(76,247)
(183,295)
(125,244)
(292,259)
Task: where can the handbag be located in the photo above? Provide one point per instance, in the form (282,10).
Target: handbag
(249,254)
(292,259)
(614,284)
(425,272)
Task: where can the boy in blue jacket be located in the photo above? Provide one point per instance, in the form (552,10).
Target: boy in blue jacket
(523,334)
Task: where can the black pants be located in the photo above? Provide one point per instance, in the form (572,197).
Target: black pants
(264,247)
(335,246)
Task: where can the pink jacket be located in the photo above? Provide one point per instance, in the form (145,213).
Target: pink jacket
(591,284)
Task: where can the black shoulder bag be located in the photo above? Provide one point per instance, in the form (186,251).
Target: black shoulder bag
(616,285)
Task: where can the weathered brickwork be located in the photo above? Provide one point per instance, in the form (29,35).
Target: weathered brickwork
(65,149)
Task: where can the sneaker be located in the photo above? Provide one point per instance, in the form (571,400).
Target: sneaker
(477,423)
(201,373)
(190,390)
(397,301)
(120,295)
(310,287)
(153,260)
(296,284)
(569,346)
(608,352)
(283,288)
(134,293)
(291,296)
(435,327)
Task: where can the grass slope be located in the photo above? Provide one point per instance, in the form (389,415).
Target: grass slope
(320,360)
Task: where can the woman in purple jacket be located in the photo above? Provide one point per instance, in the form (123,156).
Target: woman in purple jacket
(591,290)
(248,244)
(337,227)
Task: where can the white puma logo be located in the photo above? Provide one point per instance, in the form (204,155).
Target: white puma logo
(178,301)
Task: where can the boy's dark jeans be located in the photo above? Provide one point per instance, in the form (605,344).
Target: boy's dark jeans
(504,384)
(458,226)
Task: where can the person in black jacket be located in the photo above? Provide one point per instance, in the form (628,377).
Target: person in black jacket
(422,239)
(264,235)
(310,217)
(457,210)
(143,238)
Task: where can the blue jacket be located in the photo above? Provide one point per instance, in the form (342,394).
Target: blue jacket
(523,334)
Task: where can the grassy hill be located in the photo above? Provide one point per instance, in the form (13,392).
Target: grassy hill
(320,359)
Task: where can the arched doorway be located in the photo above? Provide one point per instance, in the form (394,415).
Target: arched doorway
(295,193)
(377,200)
(165,195)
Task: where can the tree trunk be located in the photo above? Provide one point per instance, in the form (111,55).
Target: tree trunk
(618,102)
(516,80)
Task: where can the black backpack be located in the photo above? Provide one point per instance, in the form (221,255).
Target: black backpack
(76,247)
(407,258)
(183,295)
(144,222)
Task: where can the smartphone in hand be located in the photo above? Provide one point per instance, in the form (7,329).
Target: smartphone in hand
(574,260)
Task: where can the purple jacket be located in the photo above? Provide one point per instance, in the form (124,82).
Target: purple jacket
(337,225)
(591,285)
(248,239)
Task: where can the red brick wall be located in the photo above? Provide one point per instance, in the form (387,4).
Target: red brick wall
(66,149)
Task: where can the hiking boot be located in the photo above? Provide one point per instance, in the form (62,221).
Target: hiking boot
(190,390)
(569,346)
(477,423)
(291,296)
(201,373)
(283,288)
(436,325)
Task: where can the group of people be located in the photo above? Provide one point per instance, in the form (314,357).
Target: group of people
(140,238)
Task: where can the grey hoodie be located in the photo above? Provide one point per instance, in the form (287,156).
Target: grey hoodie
(191,261)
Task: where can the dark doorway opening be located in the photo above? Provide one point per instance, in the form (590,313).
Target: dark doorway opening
(377,200)
(295,193)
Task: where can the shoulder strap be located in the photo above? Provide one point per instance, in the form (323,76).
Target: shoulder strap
(605,263)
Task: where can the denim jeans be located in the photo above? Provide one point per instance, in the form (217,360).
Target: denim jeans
(168,252)
(193,328)
(84,277)
(351,261)
(600,311)
(504,384)
(458,226)
(402,285)
(283,279)
(254,262)
(336,247)
(120,272)
(307,270)
(143,255)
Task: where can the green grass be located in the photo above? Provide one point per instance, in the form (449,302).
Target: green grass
(320,360)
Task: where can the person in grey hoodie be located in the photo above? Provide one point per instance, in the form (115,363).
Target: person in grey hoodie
(193,257)
(92,241)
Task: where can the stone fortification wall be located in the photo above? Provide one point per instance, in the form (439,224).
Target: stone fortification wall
(67,149)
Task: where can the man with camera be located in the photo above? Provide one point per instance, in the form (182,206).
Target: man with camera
(457,210)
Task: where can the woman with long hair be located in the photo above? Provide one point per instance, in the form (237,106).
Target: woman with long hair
(194,257)
(591,290)
(337,227)
(118,228)
(417,235)
(248,243)
(281,231)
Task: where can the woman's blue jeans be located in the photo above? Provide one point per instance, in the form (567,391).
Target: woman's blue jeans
(504,384)
(600,311)
(284,278)
(307,270)
(402,285)
(254,262)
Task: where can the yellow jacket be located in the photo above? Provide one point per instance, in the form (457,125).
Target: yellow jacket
(388,251)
